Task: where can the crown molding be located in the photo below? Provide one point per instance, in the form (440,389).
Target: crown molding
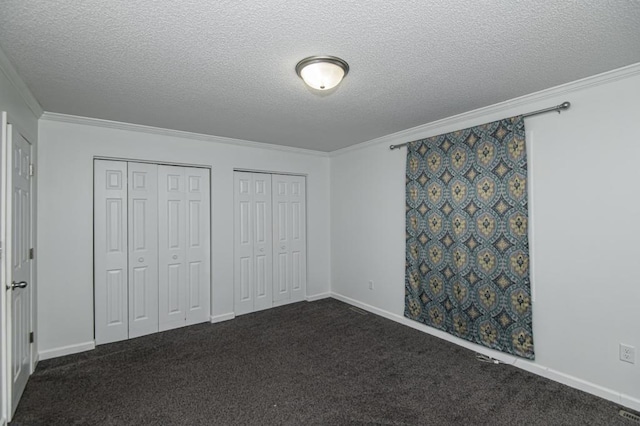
(422,131)
(108,124)
(14,78)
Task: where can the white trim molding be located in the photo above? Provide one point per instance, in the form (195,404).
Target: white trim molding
(223,317)
(319,296)
(556,376)
(12,75)
(630,402)
(67,350)
(96,122)
(423,131)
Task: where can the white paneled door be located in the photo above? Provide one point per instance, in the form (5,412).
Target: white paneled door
(152,248)
(198,245)
(111,251)
(270,240)
(253,260)
(18,288)
(172,254)
(289,239)
(143,248)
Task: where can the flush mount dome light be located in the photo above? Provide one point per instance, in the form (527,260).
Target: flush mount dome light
(322,72)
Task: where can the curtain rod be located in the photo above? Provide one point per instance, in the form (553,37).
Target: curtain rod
(559,108)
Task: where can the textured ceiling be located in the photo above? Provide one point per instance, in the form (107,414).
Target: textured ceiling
(226,68)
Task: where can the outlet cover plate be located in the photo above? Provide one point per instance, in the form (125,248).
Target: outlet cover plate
(627,353)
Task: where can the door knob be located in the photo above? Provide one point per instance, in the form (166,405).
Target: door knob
(261,249)
(175,256)
(14,285)
(141,259)
(283,247)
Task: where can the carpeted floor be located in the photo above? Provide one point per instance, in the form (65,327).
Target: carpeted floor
(315,363)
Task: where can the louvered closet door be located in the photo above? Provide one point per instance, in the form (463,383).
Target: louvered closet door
(289,239)
(110,251)
(172,226)
(253,260)
(198,254)
(143,249)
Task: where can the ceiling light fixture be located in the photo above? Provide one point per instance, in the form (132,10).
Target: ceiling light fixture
(322,72)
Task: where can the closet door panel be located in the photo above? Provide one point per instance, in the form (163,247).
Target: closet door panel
(243,243)
(298,240)
(110,251)
(143,249)
(262,244)
(289,245)
(198,255)
(281,232)
(172,227)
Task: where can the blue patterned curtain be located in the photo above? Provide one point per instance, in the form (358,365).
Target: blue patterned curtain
(467,257)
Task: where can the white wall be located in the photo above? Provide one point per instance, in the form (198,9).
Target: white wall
(66,223)
(584,210)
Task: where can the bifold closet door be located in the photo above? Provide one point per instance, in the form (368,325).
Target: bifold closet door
(289,239)
(143,249)
(184,253)
(110,251)
(198,260)
(253,260)
(152,250)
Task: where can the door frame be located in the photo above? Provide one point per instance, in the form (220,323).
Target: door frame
(3,296)
(6,276)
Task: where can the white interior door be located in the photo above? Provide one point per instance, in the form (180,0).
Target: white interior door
(253,259)
(243,274)
(262,245)
(172,247)
(298,237)
(18,289)
(289,239)
(143,249)
(110,251)
(198,245)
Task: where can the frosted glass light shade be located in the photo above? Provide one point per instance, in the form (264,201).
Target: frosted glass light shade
(322,72)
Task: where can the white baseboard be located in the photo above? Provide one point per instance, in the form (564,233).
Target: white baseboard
(319,296)
(532,367)
(630,402)
(66,350)
(224,317)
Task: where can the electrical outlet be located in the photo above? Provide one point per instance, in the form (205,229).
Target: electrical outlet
(370,285)
(627,353)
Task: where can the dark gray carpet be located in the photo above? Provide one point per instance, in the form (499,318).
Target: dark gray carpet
(306,363)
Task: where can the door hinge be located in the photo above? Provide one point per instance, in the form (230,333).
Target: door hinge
(31,337)
(31,253)
(32,169)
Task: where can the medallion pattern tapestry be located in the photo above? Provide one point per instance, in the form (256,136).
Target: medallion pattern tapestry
(467,253)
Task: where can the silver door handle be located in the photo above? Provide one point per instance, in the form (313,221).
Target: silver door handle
(261,249)
(283,247)
(14,285)
(175,256)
